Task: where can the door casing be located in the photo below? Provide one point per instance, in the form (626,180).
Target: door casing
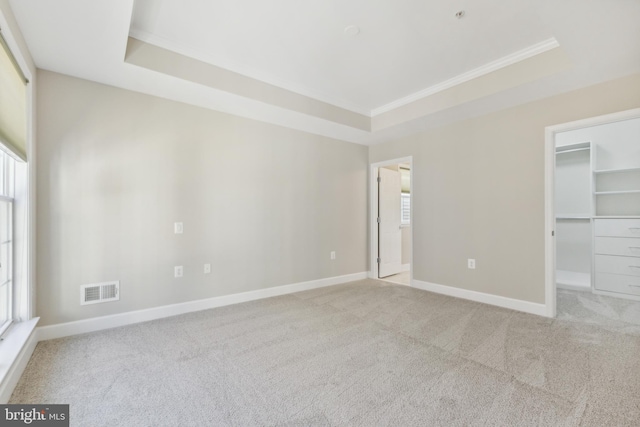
(549,194)
(389,227)
(373,214)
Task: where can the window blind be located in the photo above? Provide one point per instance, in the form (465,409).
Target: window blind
(405,196)
(405,208)
(13,103)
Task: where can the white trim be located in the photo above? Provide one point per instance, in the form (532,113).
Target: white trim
(225,63)
(505,61)
(27,309)
(253,73)
(596,121)
(549,185)
(15,48)
(406,267)
(549,223)
(573,287)
(17,349)
(513,304)
(373,209)
(107,322)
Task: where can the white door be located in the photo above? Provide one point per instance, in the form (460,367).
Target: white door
(389,232)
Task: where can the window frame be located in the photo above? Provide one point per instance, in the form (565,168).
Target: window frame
(7,194)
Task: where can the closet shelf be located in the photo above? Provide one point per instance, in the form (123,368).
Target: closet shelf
(604,171)
(573,150)
(581,146)
(598,193)
(568,217)
(617,217)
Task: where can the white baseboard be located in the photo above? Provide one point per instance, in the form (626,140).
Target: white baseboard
(112,321)
(573,280)
(513,304)
(573,287)
(404,267)
(17,356)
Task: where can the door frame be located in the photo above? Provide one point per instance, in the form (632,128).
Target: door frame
(549,193)
(373,214)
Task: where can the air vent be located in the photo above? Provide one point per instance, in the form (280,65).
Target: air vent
(99,292)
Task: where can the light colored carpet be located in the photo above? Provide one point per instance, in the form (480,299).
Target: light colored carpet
(614,314)
(366,353)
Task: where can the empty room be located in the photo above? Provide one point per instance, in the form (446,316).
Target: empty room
(327,213)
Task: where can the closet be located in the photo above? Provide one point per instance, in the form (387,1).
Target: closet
(574,206)
(597,204)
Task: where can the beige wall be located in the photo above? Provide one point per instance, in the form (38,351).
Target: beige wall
(263,204)
(478,191)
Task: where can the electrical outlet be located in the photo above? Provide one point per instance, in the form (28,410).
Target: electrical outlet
(333,254)
(178,271)
(207,268)
(178,228)
(471,263)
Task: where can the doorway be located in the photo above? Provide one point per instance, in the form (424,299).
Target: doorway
(592,214)
(391,221)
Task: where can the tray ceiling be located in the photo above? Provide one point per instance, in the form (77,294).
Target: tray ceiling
(412,65)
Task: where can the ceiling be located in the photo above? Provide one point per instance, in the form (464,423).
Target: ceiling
(412,66)
(403,47)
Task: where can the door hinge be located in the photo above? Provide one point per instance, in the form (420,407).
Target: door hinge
(378,219)
(379,179)
(553,233)
(378,260)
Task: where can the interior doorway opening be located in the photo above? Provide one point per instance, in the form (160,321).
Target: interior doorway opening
(593,215)
(392,225)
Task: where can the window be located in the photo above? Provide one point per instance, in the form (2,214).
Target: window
(13,143)
(7,165)
(405,209)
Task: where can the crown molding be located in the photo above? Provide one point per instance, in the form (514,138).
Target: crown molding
(244,70)
(505,61)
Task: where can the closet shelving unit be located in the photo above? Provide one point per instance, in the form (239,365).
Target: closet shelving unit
(575,209)
(573,217)
(574,148)
(598,211)
(616,232)
(617,193)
